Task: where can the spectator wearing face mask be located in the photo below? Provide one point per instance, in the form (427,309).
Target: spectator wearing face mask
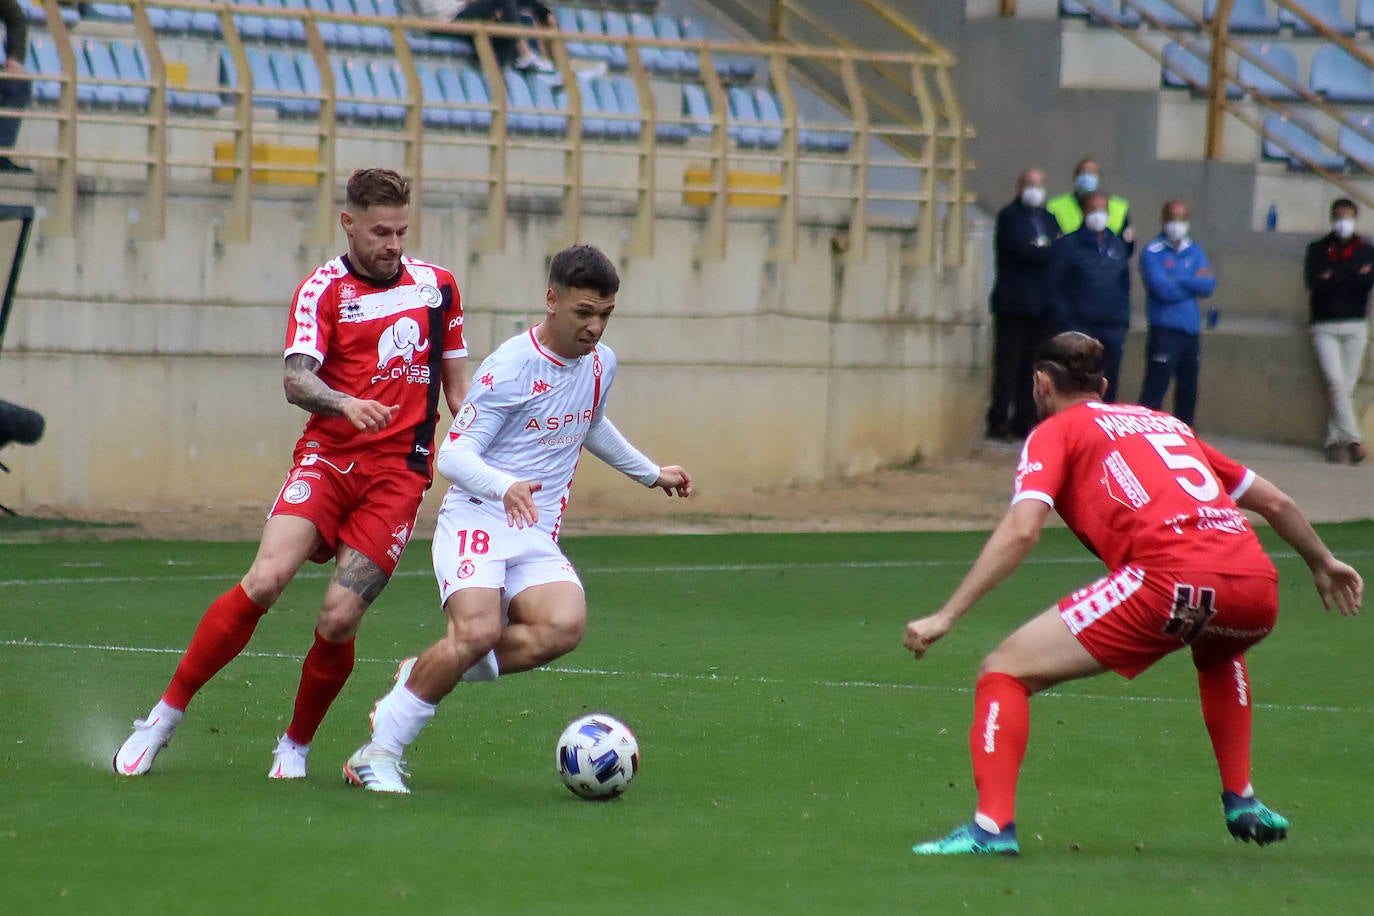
(1339,271)
(1089,286)
(1176,275)
(1022,241)
(1068,209)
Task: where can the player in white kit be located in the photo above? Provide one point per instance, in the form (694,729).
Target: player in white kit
(513,600)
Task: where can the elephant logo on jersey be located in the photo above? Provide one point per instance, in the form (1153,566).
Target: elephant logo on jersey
(401,341)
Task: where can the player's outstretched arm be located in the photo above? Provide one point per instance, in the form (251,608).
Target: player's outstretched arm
(305,389)
(674,481)
(1006,547)
(1338,584)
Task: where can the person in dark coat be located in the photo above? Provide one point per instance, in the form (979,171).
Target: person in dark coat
(1022,242)
(1090,286)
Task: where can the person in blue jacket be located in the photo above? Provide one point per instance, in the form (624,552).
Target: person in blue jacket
(1089,286)
(1176,275)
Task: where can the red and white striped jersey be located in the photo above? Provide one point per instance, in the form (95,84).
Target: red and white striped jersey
(527,414)
(381,343)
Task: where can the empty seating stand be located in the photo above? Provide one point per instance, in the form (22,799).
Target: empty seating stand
(1188,68)
(1293,141)
(1341,77)
(1280,60)
(1327,12)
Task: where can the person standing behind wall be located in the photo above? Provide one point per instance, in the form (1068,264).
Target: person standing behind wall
(14,93)
(1068,208)
(1089,286)
(1339,270)
(1022,241)
(1176,274)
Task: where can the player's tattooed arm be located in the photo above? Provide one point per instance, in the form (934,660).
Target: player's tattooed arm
(359,575)
(305,390)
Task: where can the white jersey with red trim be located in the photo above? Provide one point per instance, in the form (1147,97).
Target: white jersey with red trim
(527,414)
(383,342)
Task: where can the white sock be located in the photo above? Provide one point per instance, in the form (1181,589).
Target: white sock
(485,668)
(986,823)
(400,717)
(168,717)
(286,744)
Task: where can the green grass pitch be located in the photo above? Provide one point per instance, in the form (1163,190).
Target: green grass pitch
(792,751)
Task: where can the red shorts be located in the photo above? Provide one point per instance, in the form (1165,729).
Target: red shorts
(1133,617)
(371,509)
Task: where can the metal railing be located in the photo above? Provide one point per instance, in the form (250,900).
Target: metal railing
(498,162)
(1224,51)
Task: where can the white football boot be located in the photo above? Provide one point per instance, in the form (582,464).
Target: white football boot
(288,760)
(377,770)
(136,755)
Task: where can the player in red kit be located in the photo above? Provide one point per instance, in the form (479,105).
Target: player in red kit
(1162,509)
(372,338)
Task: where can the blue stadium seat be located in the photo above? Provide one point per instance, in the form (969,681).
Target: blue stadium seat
(1364,14)
(1189,69)
(1356,141)
(589,23)
(770,112)
(95,57)
(727,68)
(628,99)
(280,28)
(167,19)
(286,70)
(1248,17)
(593,126)
(390,84)
(251,28)
(617,27)
(266,84)
(1292,140)
(1341,77)
(657,60)
(566,19)
(375,37)
(696,108)
(107,12)
(43,59)
(745,128)
(432,94)
(130,59)
(1157,14)
(1098,12)
(329,31)
(37,16)
(1278,58)
(1328,12)
(128,66)
(686,62)
(477,92)
(523,96)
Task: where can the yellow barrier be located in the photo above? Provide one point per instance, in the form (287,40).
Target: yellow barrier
(748,189)
(272,154)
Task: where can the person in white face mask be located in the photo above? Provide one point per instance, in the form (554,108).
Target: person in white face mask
(1068,208)
(1089,286)
(1176,274)
(1022,241)
(1339,270)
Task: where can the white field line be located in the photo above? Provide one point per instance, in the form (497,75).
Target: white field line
(962,562)
(682,676)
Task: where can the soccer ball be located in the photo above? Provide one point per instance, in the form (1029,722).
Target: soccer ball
(597,757)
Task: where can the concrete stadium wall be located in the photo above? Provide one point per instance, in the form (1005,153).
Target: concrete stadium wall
(158,364)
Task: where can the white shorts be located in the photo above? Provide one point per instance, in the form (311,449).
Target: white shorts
(472,549)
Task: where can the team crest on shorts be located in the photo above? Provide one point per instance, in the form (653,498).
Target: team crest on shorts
(466,569)
(296,492)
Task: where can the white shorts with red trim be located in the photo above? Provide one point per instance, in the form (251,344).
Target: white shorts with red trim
(474,550)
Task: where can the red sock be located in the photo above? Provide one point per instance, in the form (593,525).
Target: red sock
(997,739)
(1225,693)
(327,666)
(222,633)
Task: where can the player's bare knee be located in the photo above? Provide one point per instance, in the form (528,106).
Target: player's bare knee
(264,583)
(338,623)
(472,637)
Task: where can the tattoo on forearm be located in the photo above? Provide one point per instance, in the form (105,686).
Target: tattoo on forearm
(360,575)
(304,388)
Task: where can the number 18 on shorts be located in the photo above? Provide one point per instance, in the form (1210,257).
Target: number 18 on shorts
(473,549)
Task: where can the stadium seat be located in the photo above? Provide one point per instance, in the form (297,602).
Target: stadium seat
(628,99)
(1364,15)
(657,60)
(390,85)
(618,27)
(375,37)
(280,28)
(286,70)
(593,126)
(128,66)
(38,17)
(745,128)
(1279,58)
(686,62)
(1098,12)
(177,99)
(1328,12)
(1355,140)
(170,20)
(478,93)
(251,28)
(107,12)
(696,108)
(728,69)
(1190,69)
(1292,140)
(432,94)
(1341,77)
(770,113)
(590,23)
(522,97)
(566,21)
(1157,14)
(43,59)
(1248,17)
(329,31)
(95,57)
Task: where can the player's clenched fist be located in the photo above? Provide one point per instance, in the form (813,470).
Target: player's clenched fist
(921,633)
